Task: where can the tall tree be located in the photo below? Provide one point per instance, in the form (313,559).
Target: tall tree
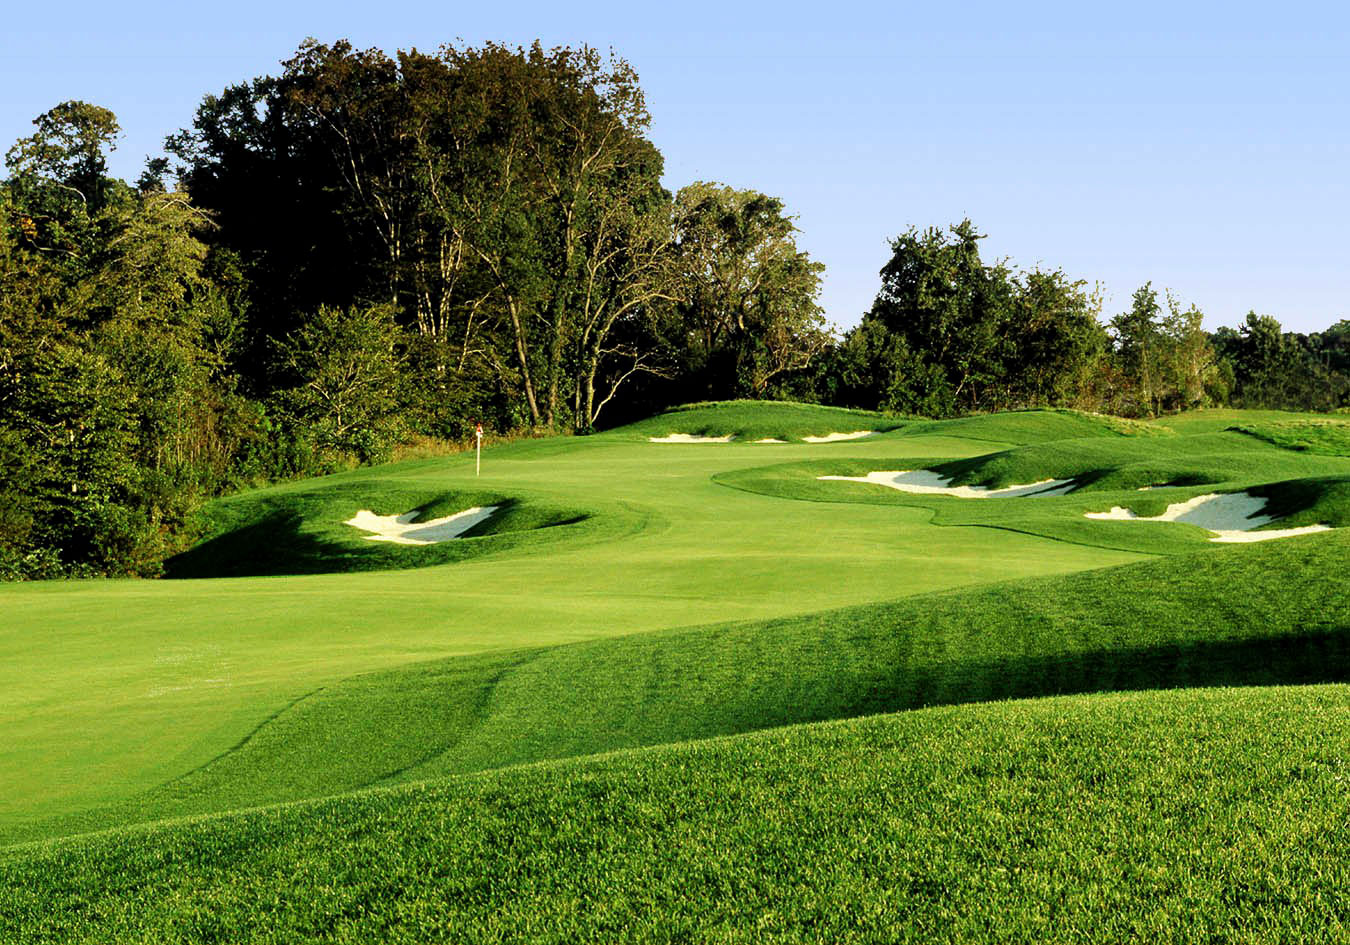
(112,387)
(949,309)
(504,200)
(1056,340)
(1189,370)
(1137,334)
(749,299)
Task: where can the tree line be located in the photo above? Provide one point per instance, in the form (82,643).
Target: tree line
(366,249)
(949,333)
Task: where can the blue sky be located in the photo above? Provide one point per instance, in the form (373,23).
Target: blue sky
(1204,147)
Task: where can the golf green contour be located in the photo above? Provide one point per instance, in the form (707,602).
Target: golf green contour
(738,672)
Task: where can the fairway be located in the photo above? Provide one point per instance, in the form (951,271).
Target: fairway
(636,594)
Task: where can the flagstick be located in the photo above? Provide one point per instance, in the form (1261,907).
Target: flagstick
(478,451)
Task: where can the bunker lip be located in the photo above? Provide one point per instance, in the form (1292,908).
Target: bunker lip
(691,438)
(1229,517)
(836,437)
(927,482)
(402,530)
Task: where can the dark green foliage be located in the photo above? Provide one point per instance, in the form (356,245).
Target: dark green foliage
(341,375)
(449,186)
(748,296)
(117,411)
(1277,369)
(949,334)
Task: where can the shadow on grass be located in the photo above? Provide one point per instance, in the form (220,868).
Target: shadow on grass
(611,706)
(273,545)
(1321,656)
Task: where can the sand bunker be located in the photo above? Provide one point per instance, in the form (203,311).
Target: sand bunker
(927,482)
(1230,516)
(401,529)
(690,438)
(836,437)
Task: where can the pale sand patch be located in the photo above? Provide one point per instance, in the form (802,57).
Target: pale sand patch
(1229,516)
(1269,533)
(690,438)
(836,437)
(401,529)
(770,439)
(927,482)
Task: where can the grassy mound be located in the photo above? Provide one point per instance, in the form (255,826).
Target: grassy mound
(301,529)
(1188,816)
(1108,471)
(1324,500)
(754,420)
(1216,420)
(1325,437)
(1133,463)
(1035,426)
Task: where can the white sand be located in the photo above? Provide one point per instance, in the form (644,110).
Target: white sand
(1231,517)
(836,437)
(690,438)
(1269,533)
(927,482)
(401,529)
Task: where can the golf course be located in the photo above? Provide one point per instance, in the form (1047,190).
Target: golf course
(725,674)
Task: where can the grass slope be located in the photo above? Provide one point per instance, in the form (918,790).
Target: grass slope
(754,420)
(1260,615)
(1201,816)
(1322,436)
(673,608)
(1036,426)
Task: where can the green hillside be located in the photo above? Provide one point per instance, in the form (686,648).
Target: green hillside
(413,709)
(1204,815)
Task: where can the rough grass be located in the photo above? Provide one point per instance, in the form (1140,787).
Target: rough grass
(1198,816)
(1324,437)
